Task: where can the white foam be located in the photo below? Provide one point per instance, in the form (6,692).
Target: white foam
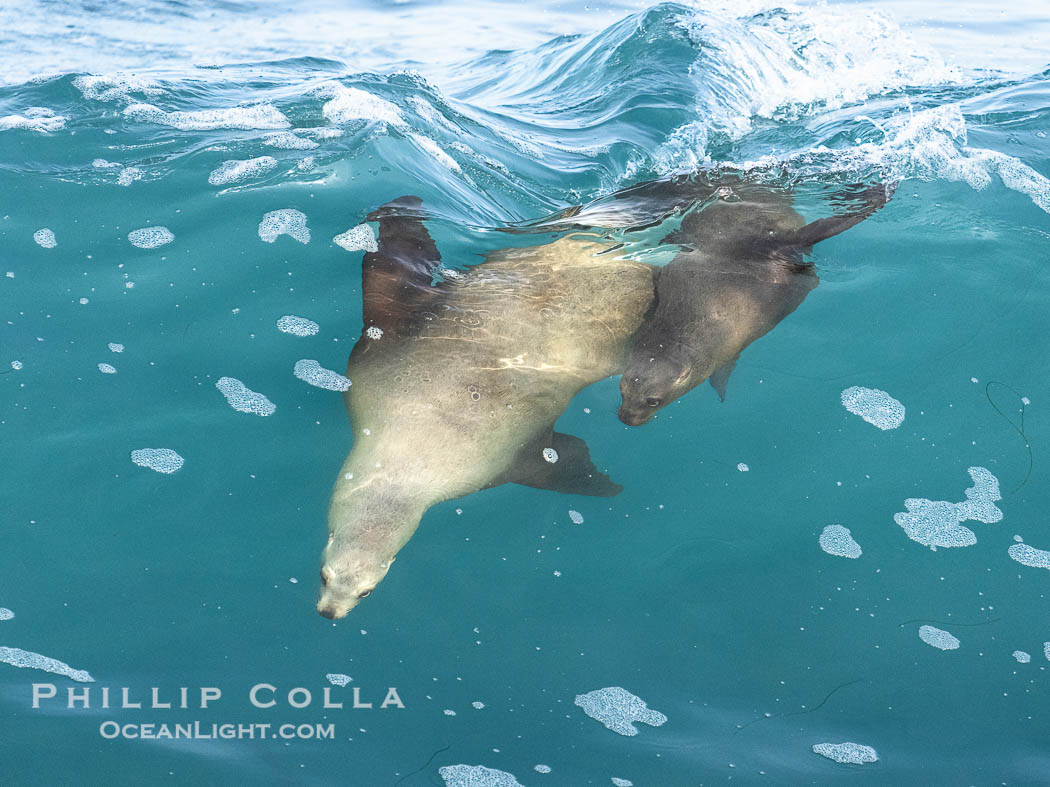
(259,116)
(288,221)
(244,399)
(129,175)
(852,753)
(350,103)
(478,705)
(374,333)
(286,140)
(45,238)
(163,460)
(476,776)
(1030,556)
(338,678)
(297,326)
(310,371)
(874,406)
(449,712)
(16,365)
(1022,657)
(6,614)
(115,347)
(617,708)
(743,468)
(1046,650)
(576,517)
(35,119)
(106,368)
(938,638)
(101,163)
(430,146)
(150,237)
(359,238)
(937,523)
(236,170)
(25,659)
(116,87)
(541,768)
(621,782)
(550,455)
(837,540)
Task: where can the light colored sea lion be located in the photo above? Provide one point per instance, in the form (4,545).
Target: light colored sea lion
(464,384)
(741,272)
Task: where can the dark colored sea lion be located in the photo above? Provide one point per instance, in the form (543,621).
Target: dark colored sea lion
(741,271)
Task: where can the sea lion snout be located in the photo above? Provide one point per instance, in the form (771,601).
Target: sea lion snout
(633,416)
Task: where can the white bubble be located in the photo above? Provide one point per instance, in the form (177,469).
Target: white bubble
(129,175)
(478,705)
(937,523)
(16,365)
(84,301)
(1022,657)
(622,782)
(449,712)
(163,460)
(617,708)
(236,170)
(576,517)
(6,614)
(938,638)
(45,238)
(351,103)
(106,368)
(837,540)
(852,753)
(1046,650)
(743,468)
(874,406)
(374,333)
(286,140)
(359,238)
(115,347)
(288,221)
(260,116)
(150,237)
(1030,556)
(476,776)
(117,87)
(243,398)
(25,659)
(550,455)
(33,120)
(297,326)
(310,371)
(338,678)
(541,768)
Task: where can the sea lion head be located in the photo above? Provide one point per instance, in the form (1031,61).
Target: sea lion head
(655,377)
(349,573)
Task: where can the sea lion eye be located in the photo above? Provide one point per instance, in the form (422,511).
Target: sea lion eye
(653,401)
(364,593)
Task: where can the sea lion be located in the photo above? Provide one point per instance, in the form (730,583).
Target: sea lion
(741,271)
(457,385)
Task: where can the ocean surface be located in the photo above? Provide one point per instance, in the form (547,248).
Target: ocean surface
(145,151)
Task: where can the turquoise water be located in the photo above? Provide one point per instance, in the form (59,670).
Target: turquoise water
(701,589)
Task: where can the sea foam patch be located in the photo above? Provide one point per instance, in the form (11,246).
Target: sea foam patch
(297,326)
(852,753)
(874,406)
(938,523)
(39,119)
(359,238)
(26,659)
(162,460)
(236,170)
(6,614)
(45,238)
(938,638)
(310,371)
(837,540)
(150,237)
(259,116)
(476,776)
(350,103)
(338,678)
(243,399)
(288,222)
(617,709)
(286,140)
(1029,556)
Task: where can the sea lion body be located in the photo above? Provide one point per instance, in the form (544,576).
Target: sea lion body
(462,390)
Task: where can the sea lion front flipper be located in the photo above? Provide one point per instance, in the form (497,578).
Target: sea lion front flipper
(573,472)
(720,377)
(873,197)
(396,278)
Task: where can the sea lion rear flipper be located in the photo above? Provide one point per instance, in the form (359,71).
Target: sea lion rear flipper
(573,472)
(720,377)
(396,278)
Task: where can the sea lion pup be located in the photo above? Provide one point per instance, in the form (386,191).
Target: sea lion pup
(457,385)
(741,271)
